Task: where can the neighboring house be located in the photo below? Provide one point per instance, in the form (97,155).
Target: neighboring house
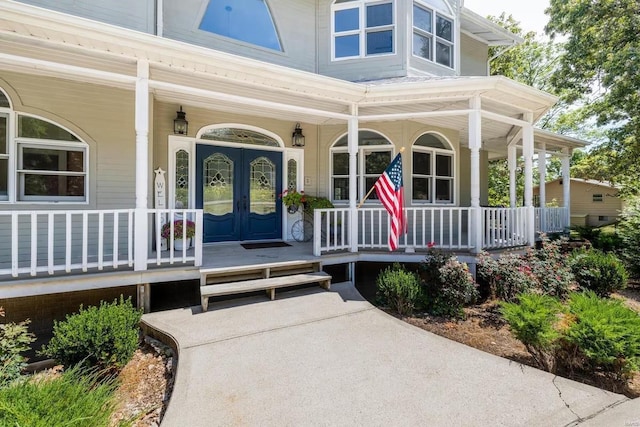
(593,203)
(88,98)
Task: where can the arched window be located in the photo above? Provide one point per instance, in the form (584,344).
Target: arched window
(433,165)
(375,152)
(434,31)
(362,28)
(50,161)
(245,20)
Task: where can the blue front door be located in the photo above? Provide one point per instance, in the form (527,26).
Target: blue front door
(237,189)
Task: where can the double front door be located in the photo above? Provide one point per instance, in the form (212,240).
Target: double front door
(237,189)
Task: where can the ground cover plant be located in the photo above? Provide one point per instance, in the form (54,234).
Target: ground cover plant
(587,333)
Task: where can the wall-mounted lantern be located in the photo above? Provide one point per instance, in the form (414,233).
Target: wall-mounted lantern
(297,138)
(180,123)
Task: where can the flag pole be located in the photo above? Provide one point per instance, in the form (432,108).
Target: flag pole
(372,188)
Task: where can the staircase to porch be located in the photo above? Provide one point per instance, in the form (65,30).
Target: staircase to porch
(268,277)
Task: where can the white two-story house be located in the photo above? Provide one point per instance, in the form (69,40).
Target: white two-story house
(117,117)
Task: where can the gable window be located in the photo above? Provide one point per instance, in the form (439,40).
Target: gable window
(432,170)
(245,20)
(597,198)
(374,155)
(433,32)
(362,28)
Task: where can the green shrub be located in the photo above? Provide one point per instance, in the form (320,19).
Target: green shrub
(507,277)
(447,285)
(606,333)
(629,231)
(602,273)
(533,321)
(551,268)
(545,270)
(14,340)
(76,398)
(399,289)
(105,336)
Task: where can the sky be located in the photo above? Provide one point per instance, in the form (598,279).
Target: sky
(530,13)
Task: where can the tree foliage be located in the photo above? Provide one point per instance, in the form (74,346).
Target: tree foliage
(601,58)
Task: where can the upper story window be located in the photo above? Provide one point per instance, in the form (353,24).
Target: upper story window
(245,20)
(39,160)
(374,155)
(362,28)
(432,170)
(433,31)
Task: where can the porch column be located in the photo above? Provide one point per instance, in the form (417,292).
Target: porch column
(352,144)
(527,152)
(475,142)
(512,161)
(142,166)
(566,184)
(542,189)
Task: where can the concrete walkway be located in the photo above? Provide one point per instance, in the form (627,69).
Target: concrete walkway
(314,357)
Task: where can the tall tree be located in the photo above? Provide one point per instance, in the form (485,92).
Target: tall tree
(602,58)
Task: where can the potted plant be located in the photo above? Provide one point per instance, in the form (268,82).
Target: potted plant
(178,242)
(293,199)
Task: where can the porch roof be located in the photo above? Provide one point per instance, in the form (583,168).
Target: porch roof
(44,42)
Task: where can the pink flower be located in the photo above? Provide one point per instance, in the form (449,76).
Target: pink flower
(431,245)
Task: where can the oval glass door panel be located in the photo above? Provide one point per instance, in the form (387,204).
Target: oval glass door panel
(218,192)
(263,186)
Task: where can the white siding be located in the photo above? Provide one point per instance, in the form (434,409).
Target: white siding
(369,68)
(294,21)
(102,117)
(137,15)
(473,57)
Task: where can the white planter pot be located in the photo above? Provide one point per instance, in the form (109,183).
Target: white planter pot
(178,244)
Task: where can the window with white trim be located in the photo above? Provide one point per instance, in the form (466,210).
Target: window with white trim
(375,152)
(362,28)
(432,163)
(433,32)
(50,162)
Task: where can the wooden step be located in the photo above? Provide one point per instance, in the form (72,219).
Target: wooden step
(268,284)
(210,276)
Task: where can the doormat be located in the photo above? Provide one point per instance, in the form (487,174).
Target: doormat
(264,245)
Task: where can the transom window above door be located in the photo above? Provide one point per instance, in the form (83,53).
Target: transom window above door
(362,28)
(375,152)
(433,32)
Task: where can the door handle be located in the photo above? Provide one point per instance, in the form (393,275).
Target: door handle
(238,205)
(244,199)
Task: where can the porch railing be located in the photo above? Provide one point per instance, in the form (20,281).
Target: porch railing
(331,230)
(444,227)
(551,220)
(504,227)
(81,240)
(176,219)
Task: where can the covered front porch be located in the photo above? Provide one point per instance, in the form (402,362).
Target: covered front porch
(482,117)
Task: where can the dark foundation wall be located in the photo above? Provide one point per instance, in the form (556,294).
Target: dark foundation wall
(42,310)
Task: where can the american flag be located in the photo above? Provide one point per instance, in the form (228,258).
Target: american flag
(391,193)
